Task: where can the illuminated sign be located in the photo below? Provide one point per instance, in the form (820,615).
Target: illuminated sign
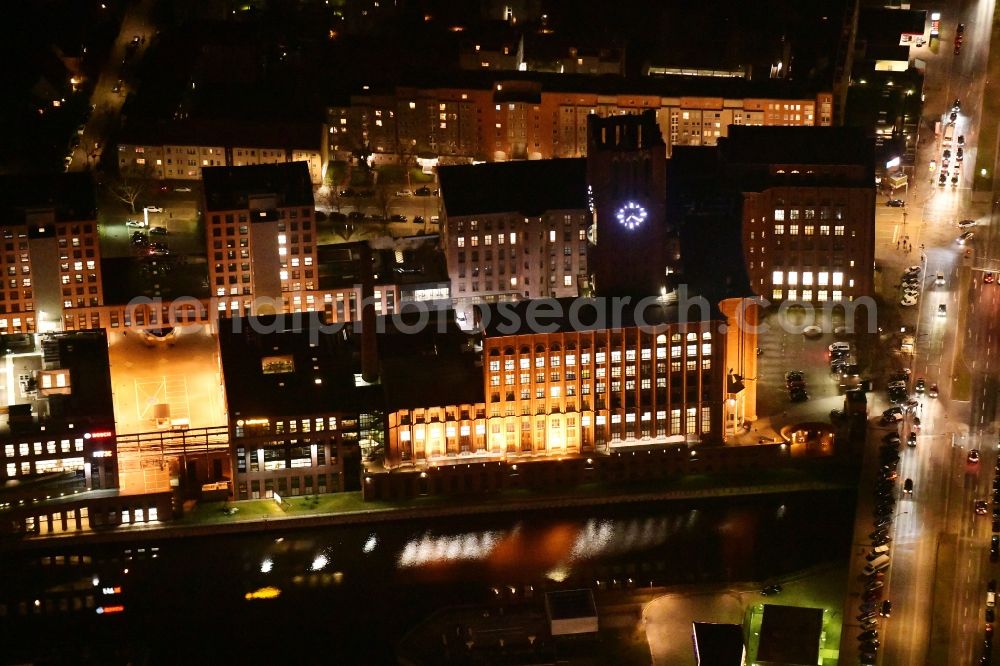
(100,434)
(253,422)
(103,454)
(109,610)
(263,593)
(112,590)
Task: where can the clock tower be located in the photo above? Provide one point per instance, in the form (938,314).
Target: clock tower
(626,174)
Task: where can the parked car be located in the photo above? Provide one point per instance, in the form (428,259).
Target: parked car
(965,224)
(182,189)
(154,209)
(886,609)
(158,230)
(138,224)
(770,590)
(404,193)
(397,218)
(798,395)
(895,203)
(423,191)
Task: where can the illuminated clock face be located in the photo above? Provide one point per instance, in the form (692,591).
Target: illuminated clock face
(631,215)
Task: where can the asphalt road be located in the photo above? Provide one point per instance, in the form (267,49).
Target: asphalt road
(940,548)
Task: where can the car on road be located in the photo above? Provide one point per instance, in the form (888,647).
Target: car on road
(942,310)
(770,590)
(117,88)
(895,203)
(908,486)
(794,376)
(839,347)
(954,180)
(989,278)
(965,224)
(995,548)
(943,179)
(890,419)
(959,154)
(911,439)
(154,209)
(933,391)
(939,279)
(981,507)
(886,609)
(158,230)
(404,193)
(135,223)
(182,189)
(961,139)
(138,239)
(920,386)
(419,219)
(67,161)
(973,457)
(136,40)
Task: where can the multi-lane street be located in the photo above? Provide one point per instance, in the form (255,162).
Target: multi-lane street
(940,547)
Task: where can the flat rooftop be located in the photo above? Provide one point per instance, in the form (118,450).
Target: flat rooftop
(564,315)
(55,379)
(231,188)
(796,145)
(69,195)
(527,187)
(285,365)
(790,635)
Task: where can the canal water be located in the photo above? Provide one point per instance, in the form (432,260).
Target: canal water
(346,595)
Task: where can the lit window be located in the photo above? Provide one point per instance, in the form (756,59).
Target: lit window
(779,229)
(777,277)
(779,214)
(807,278)
(824,278)
(793,278)
(838,278)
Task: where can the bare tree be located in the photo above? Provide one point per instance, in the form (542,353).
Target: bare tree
(383,197)
(129,185)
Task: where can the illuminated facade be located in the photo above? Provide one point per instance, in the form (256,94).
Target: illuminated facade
(298,415)
(58,421)
(589,389)
(180,150)
(808,211)
(50,261)
(524,238)
(539,116)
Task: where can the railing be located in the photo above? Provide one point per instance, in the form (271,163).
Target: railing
(174,442)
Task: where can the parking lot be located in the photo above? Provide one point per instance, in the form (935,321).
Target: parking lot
(784,348)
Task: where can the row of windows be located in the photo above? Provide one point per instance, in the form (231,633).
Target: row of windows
(809,230)
(808,214)
(822,278)
(822,295)
(39,448)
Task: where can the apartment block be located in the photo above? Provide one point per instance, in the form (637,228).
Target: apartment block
(488,117)
(181,149)
(50,258)
(515,230)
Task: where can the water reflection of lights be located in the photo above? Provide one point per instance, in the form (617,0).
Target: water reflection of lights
(266,565)
(608,537)
(430,549)
(320,562)
(370,544)
(558,574)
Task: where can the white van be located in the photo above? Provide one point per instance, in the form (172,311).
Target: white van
(991,599)
(878,564)
(883,549)
(949,134)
